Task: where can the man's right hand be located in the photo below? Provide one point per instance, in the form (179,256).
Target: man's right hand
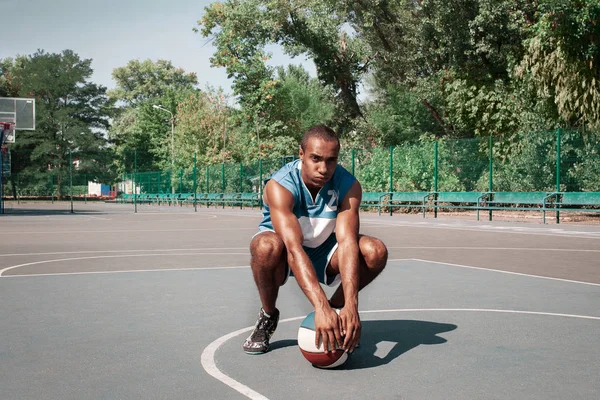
(327,329)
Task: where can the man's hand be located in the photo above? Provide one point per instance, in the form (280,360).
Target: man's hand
(350,327)
(327,329)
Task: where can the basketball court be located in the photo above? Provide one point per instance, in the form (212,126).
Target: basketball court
(105,303)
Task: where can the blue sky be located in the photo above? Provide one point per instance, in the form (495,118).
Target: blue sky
(112,32)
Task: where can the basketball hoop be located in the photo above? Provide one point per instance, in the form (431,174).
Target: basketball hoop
(8,132)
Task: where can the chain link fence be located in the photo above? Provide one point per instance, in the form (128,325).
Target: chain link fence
(563,160)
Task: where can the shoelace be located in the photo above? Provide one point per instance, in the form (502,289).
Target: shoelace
(260,333)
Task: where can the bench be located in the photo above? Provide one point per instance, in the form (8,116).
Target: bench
(519,201)
(144,198)
(409,199)
(126,198)
(459,200)
(163,198)
(212,198)
(576,202)
(251,199)
(229,199)
(373,199)
(184,198)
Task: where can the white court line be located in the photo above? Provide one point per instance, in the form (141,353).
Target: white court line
(114,231)
(490,248)
(126,271)
(247,266)
(506,272)
(207,358)
(115,256)
(244,248)
(490,229)
(119,251)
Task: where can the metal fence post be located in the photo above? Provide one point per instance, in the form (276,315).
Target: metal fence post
(134,180)
(435,174)
(71,178)
(391,175)
(558,140)
(195,183)
(491,172)
(241,180)
(223,181)
(260,182)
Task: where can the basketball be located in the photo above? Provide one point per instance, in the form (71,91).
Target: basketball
(315,355)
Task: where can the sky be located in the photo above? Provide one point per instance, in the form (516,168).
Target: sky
(112,33)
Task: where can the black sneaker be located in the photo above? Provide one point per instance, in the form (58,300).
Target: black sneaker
(258,341)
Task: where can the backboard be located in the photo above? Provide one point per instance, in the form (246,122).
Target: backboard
(20,111)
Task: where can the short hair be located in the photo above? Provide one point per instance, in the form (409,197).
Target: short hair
(320,132)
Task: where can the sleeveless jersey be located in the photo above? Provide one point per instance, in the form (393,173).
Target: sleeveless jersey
(317,218)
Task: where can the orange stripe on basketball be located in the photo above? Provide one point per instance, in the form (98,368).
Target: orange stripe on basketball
(322,359)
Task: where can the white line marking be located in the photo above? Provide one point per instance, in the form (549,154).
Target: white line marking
(115,231)
(126,271)
(555,232)
(119,251)
(115,256)
(490,248)
(207,358)
(507,272)
(244,248)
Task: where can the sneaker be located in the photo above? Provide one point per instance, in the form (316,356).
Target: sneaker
(258,341)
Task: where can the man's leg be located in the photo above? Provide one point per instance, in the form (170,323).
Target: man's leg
(372,260)
(268,264)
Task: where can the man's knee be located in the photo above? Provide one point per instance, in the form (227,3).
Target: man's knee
(375,253)
(267,248)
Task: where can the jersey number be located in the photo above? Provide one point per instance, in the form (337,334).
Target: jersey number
(333,202)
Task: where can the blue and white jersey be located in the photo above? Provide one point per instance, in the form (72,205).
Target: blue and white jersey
(317,218)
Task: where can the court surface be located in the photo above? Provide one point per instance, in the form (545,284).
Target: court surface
(107,304)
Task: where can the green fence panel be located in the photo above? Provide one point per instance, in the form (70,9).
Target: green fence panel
(580,161)
(413,167)
(524,162)
(463,165)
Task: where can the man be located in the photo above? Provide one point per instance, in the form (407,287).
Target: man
(311,227)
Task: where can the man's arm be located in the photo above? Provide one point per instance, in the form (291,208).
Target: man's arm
(347,228)
(286,225)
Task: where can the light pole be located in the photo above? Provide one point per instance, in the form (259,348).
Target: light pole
(172,142)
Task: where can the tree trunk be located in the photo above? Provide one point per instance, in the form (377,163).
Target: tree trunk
(434,113)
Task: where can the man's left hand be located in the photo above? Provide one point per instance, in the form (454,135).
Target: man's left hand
(350,327)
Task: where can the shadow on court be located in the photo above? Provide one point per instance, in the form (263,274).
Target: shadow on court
(404,335)
(397,336)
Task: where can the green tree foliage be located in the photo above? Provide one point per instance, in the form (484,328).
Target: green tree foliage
(138,126)
(204,120)
(139,81)
(72,115)
(241,29)
(562,59)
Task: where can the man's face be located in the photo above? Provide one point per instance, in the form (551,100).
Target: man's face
(319,160)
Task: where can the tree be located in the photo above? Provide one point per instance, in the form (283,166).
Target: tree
(72,114)
(139,128)
(562,59)
(240,31)
(139,81)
